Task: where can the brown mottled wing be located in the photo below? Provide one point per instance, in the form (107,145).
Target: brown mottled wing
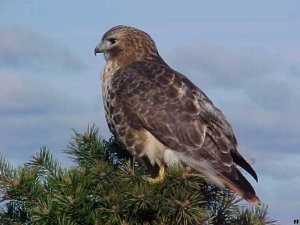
(159,99)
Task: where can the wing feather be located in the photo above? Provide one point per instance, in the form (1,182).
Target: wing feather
(175,111)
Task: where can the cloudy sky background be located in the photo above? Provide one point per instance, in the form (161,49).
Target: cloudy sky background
(244,55)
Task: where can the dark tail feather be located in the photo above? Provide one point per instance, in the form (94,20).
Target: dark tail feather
(241,186)
(239,160)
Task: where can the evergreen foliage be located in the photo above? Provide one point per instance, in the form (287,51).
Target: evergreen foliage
(106,186)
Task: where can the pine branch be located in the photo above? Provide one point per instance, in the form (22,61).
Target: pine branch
(253,216)
(7,172)
(106,186)
(45,164)
(87,149)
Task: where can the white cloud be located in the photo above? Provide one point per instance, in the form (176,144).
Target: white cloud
(283,169)
(295,70)
(20,48)
(218,66)
(34,114)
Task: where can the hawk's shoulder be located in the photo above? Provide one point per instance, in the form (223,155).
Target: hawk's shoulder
(158,84)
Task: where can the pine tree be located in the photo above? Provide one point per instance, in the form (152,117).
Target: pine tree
(106,186)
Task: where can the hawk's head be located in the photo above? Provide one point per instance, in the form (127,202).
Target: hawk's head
(126,44)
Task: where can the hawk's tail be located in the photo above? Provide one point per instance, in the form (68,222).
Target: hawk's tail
(241,186)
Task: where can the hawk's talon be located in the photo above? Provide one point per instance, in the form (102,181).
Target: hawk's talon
(160,177)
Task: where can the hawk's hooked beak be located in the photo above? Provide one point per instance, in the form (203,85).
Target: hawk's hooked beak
(100,48)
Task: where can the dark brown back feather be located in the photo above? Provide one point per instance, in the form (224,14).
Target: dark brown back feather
(152,96)
(239,160)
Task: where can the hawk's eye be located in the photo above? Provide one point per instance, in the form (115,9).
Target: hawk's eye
(112,40)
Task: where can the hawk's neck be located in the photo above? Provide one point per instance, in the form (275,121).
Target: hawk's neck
(109,69)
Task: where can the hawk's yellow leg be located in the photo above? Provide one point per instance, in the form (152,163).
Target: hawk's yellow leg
(160,177)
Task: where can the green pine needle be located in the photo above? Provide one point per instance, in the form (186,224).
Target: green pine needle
(107,186)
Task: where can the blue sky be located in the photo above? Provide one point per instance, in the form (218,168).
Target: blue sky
(244,55)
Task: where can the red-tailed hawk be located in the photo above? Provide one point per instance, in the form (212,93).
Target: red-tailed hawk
(162,117)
